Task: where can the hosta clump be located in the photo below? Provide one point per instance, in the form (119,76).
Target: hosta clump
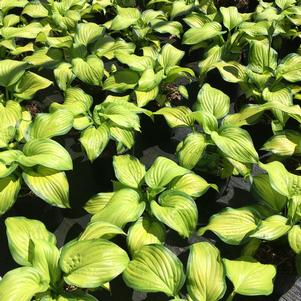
(156,269)
(276,215)
(162,195)
(52,274)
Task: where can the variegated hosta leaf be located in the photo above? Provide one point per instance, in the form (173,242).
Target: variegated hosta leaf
(100,229)
(170,56)
(290,68)
(283,4)
(191,149)
(178,116)
(281,180)
(49,185)
(284,143)
(135,62)
(76,101)
(294,238)
(89,71)
(122,136)
(177,210)
(145,231)
(90,263)
(98,202)
(94,140)
(205,273)
(126,16)
(155,269)
(63,75)
(29,84)
(9,189)
(121,81)
(250,278)
(87,33)
(261,188)
(35,10)
(20,231)
(231,17)
(213,101)
(262,56)
(10,114)
(294,209)
(128,170)
(48,125)
(232,72)
(45,152)
(44,256)
(11,71)
(29,31)
(125,206)
(162,172)
(23,126)
(21,284)
(236,143)
(272,228)
(192,185)
(232,225)
(196,35)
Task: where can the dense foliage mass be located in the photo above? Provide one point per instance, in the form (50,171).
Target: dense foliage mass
(224,72)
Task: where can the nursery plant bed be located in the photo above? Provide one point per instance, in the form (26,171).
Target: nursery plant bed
(150,150)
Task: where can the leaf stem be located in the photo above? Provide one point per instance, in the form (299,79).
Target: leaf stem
(231,296)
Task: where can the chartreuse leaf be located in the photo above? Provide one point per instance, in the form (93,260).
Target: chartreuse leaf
(170,56)
(128,170)
(262,190)
(90,71)
(285,143)
(155,269)
(94,140)
(250,278)
(191,149)
(98,202)
(232,72)
(126,16)
(281,180)
(196,35)
(29,84)
(47,153)
(48,125)
(272,228)
(290,68)
(121,81)
(124,206)
(91,263)
(236,143)
(76,101)
(29,31)
(87,33)
(11,71)
(63,75)
(283,4)
(9,189)
(6,5)
(100,229)
(205,273)
(21,284)
(294,238)
(294,209)
(262,56)
(145,231)
(75,296)
(232,225)
(231,17)
(20,231)
(178,116)
(44,256)
(123,137)
(192,185)
(35,10)
(49,185)
(162,172)
(135,62)
(207,120)
(213,101)
(176,210)
(10,114)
